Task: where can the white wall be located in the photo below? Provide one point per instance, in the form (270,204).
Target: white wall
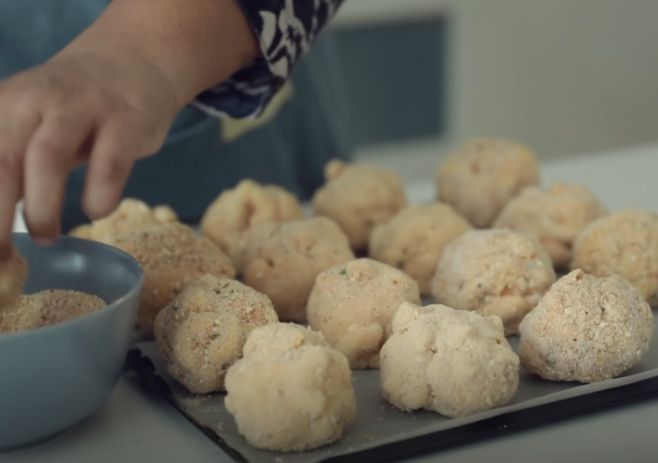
(565,76)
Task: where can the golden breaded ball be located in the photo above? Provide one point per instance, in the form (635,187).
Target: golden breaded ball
(453,362)
(358,197)
(202,331)
(238,209)
(291,391)
(131,215)
(353,304)
(171,256)
(494,272)
(623,243)
(483,175)
(555,215)
(414,239)
(282,260)
(586,329)
(83,231)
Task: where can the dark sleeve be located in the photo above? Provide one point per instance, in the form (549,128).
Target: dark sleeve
(285,30)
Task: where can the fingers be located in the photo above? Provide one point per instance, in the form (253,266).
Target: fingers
(112,157)
(49,156)
(10,178)
(14,136)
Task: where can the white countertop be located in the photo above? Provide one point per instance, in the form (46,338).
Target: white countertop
(134,426)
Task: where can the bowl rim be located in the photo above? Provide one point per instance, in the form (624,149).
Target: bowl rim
(136,288)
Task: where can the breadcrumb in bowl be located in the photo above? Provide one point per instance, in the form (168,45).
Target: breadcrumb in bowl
(55,376)
(46,308)
(12,277)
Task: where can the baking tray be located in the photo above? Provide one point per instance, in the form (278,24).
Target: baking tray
(380,432)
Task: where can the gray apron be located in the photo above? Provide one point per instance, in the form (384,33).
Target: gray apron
(196,163)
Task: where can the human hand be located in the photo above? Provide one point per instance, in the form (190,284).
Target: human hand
(108,109)
(108,99)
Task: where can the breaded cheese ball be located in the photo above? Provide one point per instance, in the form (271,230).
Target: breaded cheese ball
(202,331)
(494,272)
(353,304)
(449,361)
(83,231)
(483,175)
(623,243)
(555,215)
(414,239)
(131,215)
(171,256)
(586,329)
(248,204)
(13,273)
(358,197)
(282,260)
(48,308)
(290,391)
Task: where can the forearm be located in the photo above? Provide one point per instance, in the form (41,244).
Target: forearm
(285,29)
(195,44)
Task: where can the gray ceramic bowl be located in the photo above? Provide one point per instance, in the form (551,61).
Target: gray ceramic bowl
(53,377)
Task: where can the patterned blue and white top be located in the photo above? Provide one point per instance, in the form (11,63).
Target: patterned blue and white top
(285,30)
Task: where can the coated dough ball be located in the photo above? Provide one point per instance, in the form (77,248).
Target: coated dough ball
(481,177)
(358,197)
(494,272)
(291,391)
(623,243)
(48,308)
(353,305)
(238,209)
(586,329)
(282,261)
(13,273)
(131,215)
(414,240)
(83,231)
(450,361)
(171,256)
(202,331)
(164,214)
(555,215)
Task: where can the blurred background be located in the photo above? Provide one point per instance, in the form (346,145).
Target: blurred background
(564,77)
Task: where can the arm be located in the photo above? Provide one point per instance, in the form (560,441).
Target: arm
(109,98)
(285,30)
(194,44)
